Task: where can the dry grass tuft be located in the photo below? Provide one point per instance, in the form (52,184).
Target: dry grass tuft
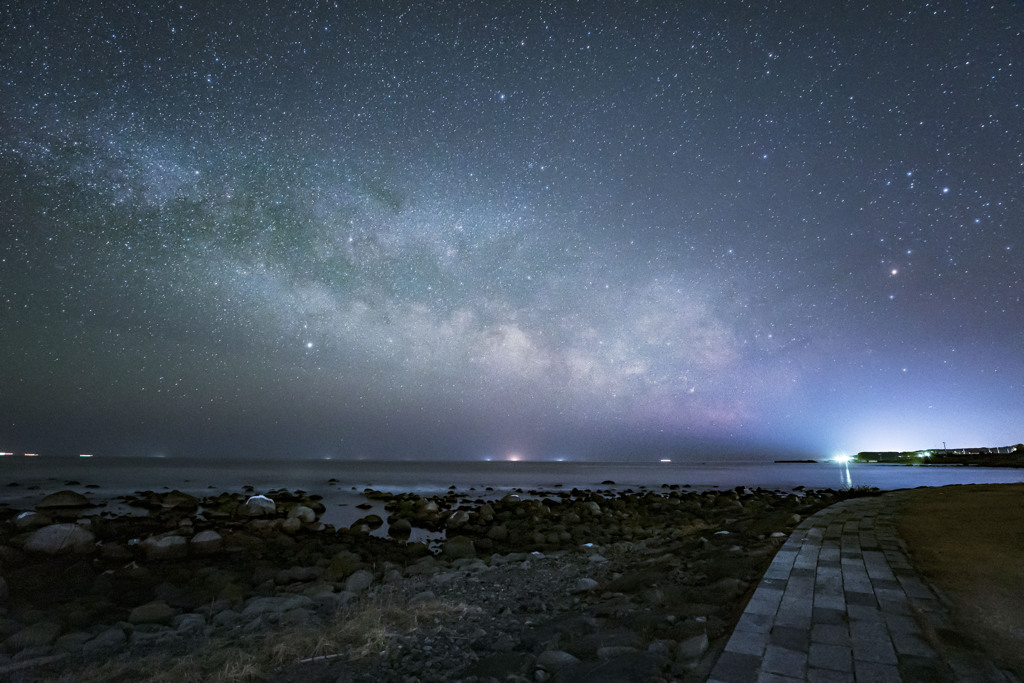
(365,630)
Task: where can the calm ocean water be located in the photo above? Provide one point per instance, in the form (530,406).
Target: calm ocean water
(24,481)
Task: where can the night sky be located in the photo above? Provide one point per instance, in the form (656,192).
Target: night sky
(477,229)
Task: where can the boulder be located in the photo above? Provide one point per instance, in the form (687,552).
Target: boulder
(304,514)
(59,539)
(458,547)
(584,585)
(64,499)
(400,529)
(258,506)
(176,500)
(189,624)
(553,660)
(206,543)
(693,647)
(342,565)
(41,633)
(276,604)
(105,643)
(457,519)
(359,581)
(165,547)
(71,642)
(291,525)
(372,521)
(152,613)
(28,521)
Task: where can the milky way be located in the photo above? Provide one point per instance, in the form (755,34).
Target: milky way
(563,230)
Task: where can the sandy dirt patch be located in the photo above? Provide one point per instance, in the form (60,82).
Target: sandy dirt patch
(969,542)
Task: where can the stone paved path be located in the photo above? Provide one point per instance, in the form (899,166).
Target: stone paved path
(841,602)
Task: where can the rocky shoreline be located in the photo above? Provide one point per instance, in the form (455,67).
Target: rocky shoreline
(555,585)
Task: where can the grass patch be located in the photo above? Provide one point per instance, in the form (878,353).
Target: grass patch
(363,631)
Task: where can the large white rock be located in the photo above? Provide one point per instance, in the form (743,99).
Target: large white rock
(60,538)
(257,506)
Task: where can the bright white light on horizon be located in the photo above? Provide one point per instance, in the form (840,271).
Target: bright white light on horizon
(514,457)
(842,458)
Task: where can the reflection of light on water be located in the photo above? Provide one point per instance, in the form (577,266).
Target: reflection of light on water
(845,480)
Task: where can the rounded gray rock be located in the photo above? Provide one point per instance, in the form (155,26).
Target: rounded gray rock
(459,547)
(60,538)
(64,499)
(359,581)
(165,547)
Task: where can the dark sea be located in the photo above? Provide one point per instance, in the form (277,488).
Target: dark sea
(24,481)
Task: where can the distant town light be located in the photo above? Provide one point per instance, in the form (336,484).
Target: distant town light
(31,455)
(3,453)
(666,460)
(842,458)
(85,455)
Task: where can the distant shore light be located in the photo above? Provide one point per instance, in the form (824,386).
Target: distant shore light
(666,460)
(842,458)
(31,455)
(85,455)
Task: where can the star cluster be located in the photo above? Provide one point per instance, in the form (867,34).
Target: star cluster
(461,229)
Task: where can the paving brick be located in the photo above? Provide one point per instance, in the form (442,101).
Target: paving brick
(824,615)
(830,601)
(795,619)
(912,644)
(765,677)
(900,623)
(834,634)
(834,657)
(861,598)
(755,623)
(863,629)
(748,643)
(763,606)
(878,650)
(790,637)
(733,667)
(874,672)
(826,676)
(780,660)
